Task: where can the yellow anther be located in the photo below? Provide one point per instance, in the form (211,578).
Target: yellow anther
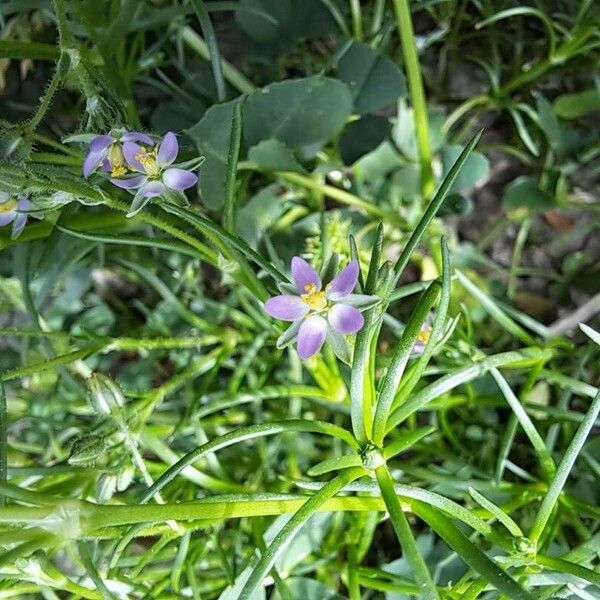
(424,334)
(148,161)
(7,206)
(314,299)
(118,171)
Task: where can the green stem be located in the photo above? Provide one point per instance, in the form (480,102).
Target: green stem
(233,76)
(357,27)
(353,578)
(414,558)
(64,34)
(417,93)
(55,82)
(516,257)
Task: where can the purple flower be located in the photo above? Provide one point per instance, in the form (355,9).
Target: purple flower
(107,150)
(422,338)
(316,313)
(13,210)
(155,173)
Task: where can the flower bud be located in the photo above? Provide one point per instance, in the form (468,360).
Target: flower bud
(105,396)
(86,450)
(372,458)
(105,487)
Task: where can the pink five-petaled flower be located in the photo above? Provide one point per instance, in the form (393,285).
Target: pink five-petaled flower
(317,313)
(107,150)
(13,210)
(155,175)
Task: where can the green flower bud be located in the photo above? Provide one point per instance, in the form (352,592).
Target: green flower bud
(86,450)
(105,395)
(372,458)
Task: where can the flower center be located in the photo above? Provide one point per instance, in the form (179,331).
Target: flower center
(7,206)
(116,158)
(314,299)
(423,335)
(147,158)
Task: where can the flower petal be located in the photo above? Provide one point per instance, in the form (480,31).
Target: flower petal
(311,336)
(91,162)
(130,183)
(179,179)
(286,308)
(137,136)
(418,347)
(130,150)
(304,275)
(152,189)
(100,143)
(344,282)
(18,225)
(345,319)
(149,190)
(167,152)
(7,217)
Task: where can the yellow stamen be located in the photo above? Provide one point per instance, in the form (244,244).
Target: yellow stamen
(313,298)
(148,160)
(118,171)
(7,206)
(423,335)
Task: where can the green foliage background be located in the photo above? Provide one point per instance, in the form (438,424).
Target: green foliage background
(155,442)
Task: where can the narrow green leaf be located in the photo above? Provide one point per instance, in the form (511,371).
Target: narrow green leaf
(235,140)
(209,255)
(405,441)
(335,464)
(495,311)
(28,49)
(291,528)
(208,227)
(213,47)
(433,207)
(591,333)
(470,554)
(244,434)
(563,470)
(497,512)
(362,387)
(463,375)
(53,363)
(543,454)
(3,434)
(395,370)
(436,334)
